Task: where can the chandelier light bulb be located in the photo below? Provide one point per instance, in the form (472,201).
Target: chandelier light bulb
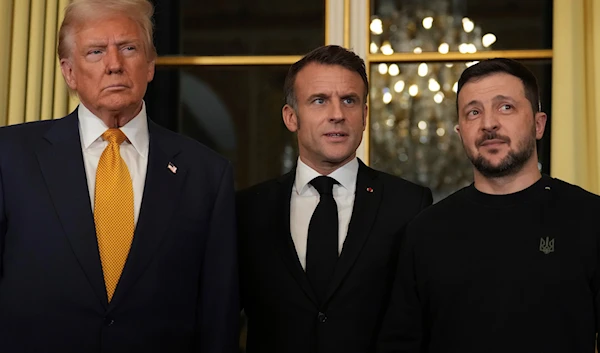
(413,90)
(468,25)
(434,86)
(423,70)
(488,40)
(427,22)
(387,97)
(399,86)
(444,48)
(373,48)
(386,49)
(376,26)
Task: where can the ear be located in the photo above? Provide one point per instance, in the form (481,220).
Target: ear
(290,118)
(151,68)
(66,67)
(540,124)
(457,130)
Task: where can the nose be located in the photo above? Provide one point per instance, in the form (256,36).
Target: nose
(337,113)
(490,122)
(113,61)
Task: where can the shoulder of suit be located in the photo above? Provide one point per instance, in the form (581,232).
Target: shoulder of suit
(396,181)
(27,128)
(261,188)
(266,187)
(193,148)
(24,132)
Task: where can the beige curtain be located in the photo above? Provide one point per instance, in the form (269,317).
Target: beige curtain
(31,85)
(575,155)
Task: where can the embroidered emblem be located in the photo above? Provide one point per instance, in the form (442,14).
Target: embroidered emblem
(547,245)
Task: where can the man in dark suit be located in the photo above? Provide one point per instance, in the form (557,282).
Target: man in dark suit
(116,235)
(318,245)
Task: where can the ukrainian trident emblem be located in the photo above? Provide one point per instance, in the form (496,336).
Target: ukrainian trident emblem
(547,245)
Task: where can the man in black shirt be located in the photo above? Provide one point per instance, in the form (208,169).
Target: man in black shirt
(511,262)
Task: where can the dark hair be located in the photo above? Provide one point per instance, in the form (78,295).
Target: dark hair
(508,66)
(325,55)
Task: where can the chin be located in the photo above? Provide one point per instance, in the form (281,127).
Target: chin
(337,159)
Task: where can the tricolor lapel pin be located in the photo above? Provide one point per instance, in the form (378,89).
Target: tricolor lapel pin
(172,168)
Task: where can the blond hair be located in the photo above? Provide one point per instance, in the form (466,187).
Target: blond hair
(78,12)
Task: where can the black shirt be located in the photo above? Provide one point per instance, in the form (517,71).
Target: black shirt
(499,273)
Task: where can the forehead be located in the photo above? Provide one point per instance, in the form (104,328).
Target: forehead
(486,88)
(328,78)
(102,28)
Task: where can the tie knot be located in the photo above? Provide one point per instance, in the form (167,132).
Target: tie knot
(114,136)
(324,184)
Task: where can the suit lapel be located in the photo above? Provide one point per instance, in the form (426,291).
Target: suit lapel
(284,241)
(369,191)
(61,161)
(161,191)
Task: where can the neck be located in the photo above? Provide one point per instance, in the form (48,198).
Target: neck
(117,118)
(524,178)
(326,168)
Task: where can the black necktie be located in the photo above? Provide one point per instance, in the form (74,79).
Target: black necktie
(322,244)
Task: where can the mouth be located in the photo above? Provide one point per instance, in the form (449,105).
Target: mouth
(335,134)
(116,87)
(493,142)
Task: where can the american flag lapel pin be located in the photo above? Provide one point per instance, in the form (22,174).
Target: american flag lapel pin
(172,168)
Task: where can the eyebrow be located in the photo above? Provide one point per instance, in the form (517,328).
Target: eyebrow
(500,97)
(497,98)
(103,43)
(351,95)
(317,95)
(325,95)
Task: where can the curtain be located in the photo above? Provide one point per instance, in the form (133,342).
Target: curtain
(575,149)
(31,84)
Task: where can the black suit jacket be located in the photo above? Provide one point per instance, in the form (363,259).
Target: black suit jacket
(178,291)
(283,315)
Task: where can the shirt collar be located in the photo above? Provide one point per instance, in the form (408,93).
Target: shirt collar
(344,175)
(136,130)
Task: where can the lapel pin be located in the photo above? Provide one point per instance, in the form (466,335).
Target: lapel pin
(172,168)
(369,189)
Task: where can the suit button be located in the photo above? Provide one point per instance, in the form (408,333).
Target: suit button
(108,321)
(322,317)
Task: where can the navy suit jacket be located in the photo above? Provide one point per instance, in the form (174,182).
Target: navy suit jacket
(178,291)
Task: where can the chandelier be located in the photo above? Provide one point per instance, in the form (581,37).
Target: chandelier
(413,110)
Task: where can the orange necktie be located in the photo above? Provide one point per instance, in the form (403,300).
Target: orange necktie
(113,210)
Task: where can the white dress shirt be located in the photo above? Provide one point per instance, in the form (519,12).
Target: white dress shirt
(134,151)
(305,199)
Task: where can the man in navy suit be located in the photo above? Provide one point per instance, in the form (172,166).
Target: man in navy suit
(92,263)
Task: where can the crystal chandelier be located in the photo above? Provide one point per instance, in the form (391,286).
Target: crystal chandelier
(413,109)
